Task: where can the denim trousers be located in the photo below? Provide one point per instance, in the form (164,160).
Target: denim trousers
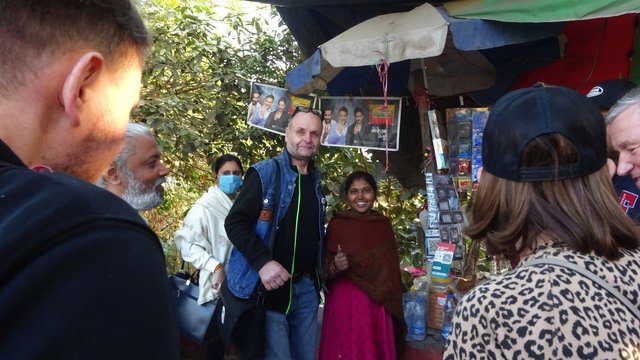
(293,336)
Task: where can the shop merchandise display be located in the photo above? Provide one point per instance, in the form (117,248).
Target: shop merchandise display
(441,218)
(464,134)
(438,141)
(458,156)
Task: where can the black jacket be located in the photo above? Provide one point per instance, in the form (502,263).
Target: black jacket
(82,276)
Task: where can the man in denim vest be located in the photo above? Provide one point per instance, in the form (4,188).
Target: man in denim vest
(277,232)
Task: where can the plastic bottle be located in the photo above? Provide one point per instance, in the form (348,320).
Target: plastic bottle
(414,314)
(447,319)
(419,330)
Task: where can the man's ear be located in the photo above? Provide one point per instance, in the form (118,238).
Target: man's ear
(479,174)
(112,176)
(75,89)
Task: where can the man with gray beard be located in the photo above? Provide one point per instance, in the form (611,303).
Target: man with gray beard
(137,173)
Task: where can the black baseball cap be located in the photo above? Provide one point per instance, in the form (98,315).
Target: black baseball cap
(523,115)
(607,92)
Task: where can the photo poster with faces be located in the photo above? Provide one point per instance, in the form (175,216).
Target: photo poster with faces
(270,107)
(361,122)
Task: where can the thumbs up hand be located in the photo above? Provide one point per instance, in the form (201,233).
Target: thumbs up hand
(340,261)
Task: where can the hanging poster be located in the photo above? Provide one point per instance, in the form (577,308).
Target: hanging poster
(362,122)
(270,107)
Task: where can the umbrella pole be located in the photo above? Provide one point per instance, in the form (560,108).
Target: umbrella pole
(421,97)
(424,74)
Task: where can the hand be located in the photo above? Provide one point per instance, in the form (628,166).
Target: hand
(218,277)
(273,275)
(340,261)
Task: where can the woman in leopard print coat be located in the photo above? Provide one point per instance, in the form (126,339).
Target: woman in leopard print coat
(545,193)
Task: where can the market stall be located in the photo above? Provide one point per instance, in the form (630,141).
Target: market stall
(457,51)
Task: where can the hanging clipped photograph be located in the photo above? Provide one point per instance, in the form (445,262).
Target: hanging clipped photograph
(270,107)
(361,122)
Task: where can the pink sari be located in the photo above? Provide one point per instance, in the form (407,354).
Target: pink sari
(354,326)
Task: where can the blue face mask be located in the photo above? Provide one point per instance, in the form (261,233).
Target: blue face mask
(229,184)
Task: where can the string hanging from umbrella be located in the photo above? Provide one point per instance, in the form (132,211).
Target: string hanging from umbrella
(382,66)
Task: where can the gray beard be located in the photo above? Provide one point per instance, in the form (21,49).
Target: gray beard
(139,197)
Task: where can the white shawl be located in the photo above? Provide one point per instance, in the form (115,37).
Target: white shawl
(203,241)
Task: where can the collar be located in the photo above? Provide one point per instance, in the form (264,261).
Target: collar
(310,168)
(8,156)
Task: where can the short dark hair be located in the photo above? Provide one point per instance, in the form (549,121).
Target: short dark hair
(359,175)
(358,110)
(344,108)
(35,30)
(223,159)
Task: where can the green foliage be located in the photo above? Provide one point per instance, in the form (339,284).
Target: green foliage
(195,91)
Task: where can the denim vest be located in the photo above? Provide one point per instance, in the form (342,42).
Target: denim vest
(241,277)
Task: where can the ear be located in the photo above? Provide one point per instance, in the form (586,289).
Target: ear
(74,94)
(112,176)
(479,174)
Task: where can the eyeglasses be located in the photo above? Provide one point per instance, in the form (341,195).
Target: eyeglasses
(306,109)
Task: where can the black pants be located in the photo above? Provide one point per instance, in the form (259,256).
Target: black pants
(216,349)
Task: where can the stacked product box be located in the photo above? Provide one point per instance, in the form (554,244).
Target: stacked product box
(478,121)
(464,132)
(439,143)
(441,218)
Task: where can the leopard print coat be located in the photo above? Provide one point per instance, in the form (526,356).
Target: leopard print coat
(550,312)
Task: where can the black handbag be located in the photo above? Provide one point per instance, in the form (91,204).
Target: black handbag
(242,322)
(195,321)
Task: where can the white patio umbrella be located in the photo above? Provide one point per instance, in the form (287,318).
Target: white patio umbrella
(445,48)
(419,33)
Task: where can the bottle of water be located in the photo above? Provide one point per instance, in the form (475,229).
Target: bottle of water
(419,329)
(409,306)
(447,320)
(414,315)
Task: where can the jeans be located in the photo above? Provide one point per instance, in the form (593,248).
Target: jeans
(293,336)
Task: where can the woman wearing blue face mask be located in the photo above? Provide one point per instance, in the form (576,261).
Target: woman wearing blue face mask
(203,241)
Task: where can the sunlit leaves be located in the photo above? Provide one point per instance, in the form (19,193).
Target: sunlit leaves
(196,87)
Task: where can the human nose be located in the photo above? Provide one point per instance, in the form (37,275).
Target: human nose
(164,171)
(624,165)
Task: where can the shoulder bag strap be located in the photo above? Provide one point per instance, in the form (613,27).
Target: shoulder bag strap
(595,278)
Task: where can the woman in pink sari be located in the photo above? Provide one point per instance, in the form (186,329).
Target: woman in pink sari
(363,316)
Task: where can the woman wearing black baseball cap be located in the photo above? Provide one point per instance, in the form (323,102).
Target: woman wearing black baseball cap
(545,196)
